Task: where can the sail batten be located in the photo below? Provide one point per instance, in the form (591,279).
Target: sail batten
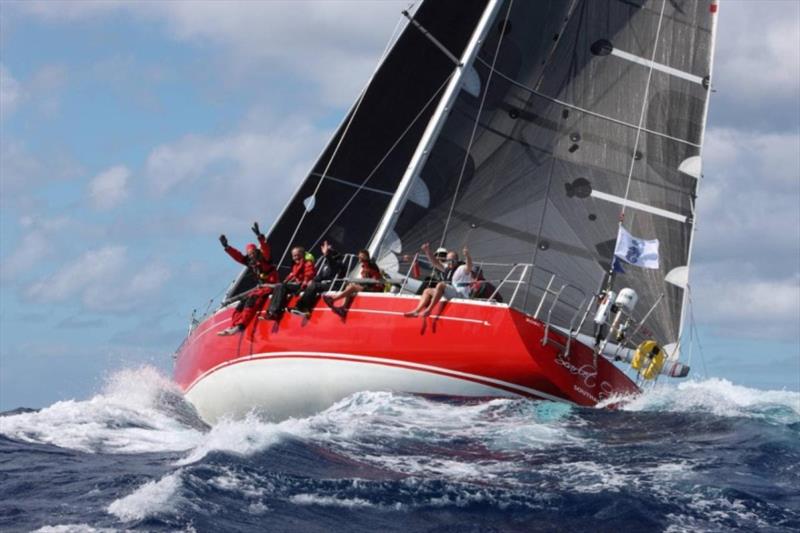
(590,109)
(381,136)
(420,156)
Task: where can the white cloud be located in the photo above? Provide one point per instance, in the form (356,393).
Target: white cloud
(103,280)
(11,92)
(126,291)
(774,157)
(36,245)
(45,88)
(109,188)
(747,256)
(334,45)
(245,154)
(22,173)
(33,247)
(91,267)
(744,305)
(238,176)
(749,200)
(42,89)
(755,64)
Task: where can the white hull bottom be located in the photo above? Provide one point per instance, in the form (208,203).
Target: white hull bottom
(285,387)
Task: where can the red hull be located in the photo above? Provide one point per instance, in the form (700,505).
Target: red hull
(483,343)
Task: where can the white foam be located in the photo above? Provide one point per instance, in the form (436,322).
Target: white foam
(722,398)
(73,528)
(257,508)
(152,498)
(135,413)
(714,511)
(373,426)
(241,437)
(246,486)
(378,415)
(329,501)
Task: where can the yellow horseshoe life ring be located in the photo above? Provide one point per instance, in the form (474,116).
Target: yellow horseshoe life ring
(648,359)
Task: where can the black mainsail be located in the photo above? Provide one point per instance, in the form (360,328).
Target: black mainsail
(368,154)
(573,114)
(529,131)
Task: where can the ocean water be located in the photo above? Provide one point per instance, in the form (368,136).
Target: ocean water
(699,456)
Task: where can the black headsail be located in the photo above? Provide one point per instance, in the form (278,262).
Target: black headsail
(382,132)
(575,108)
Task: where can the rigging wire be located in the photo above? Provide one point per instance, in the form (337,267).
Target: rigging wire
(477,121)
(388,47)
(693,331)
(642,114)
(363,184)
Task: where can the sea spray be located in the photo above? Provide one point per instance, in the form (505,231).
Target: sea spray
(135,413)
(702,455)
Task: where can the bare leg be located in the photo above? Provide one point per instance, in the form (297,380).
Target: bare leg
(424,300)
(348,300)
(437,296)
(346,293)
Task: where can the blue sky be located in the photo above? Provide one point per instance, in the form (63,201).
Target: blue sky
(133,133)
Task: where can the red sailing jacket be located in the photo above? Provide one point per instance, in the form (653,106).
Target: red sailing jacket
(302,273)
(371,271)
(262,266)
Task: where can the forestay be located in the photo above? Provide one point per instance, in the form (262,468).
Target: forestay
(370,151)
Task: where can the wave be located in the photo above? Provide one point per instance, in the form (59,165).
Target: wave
(153,498)
(385,452)
(720,397)
(138,411)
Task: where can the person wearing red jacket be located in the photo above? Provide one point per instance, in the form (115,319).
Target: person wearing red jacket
(302,268)
(372,281)
(258,260)
(296,280)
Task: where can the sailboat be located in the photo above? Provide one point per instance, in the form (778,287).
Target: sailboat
(538,134)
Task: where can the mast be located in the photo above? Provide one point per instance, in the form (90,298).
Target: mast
(434,125)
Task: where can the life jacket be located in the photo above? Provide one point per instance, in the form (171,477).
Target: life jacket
(302,272)
(447,274)
(371,271)
(264,270)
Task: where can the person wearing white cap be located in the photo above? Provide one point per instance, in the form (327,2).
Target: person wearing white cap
(455,276)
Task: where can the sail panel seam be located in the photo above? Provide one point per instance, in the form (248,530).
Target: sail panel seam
(588,111)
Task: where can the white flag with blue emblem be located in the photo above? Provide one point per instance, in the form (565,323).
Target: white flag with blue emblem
(636,251)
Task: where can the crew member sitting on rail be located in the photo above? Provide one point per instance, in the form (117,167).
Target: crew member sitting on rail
(373,282)
(328,267)
(257,260)
(297,280)
(456,278)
